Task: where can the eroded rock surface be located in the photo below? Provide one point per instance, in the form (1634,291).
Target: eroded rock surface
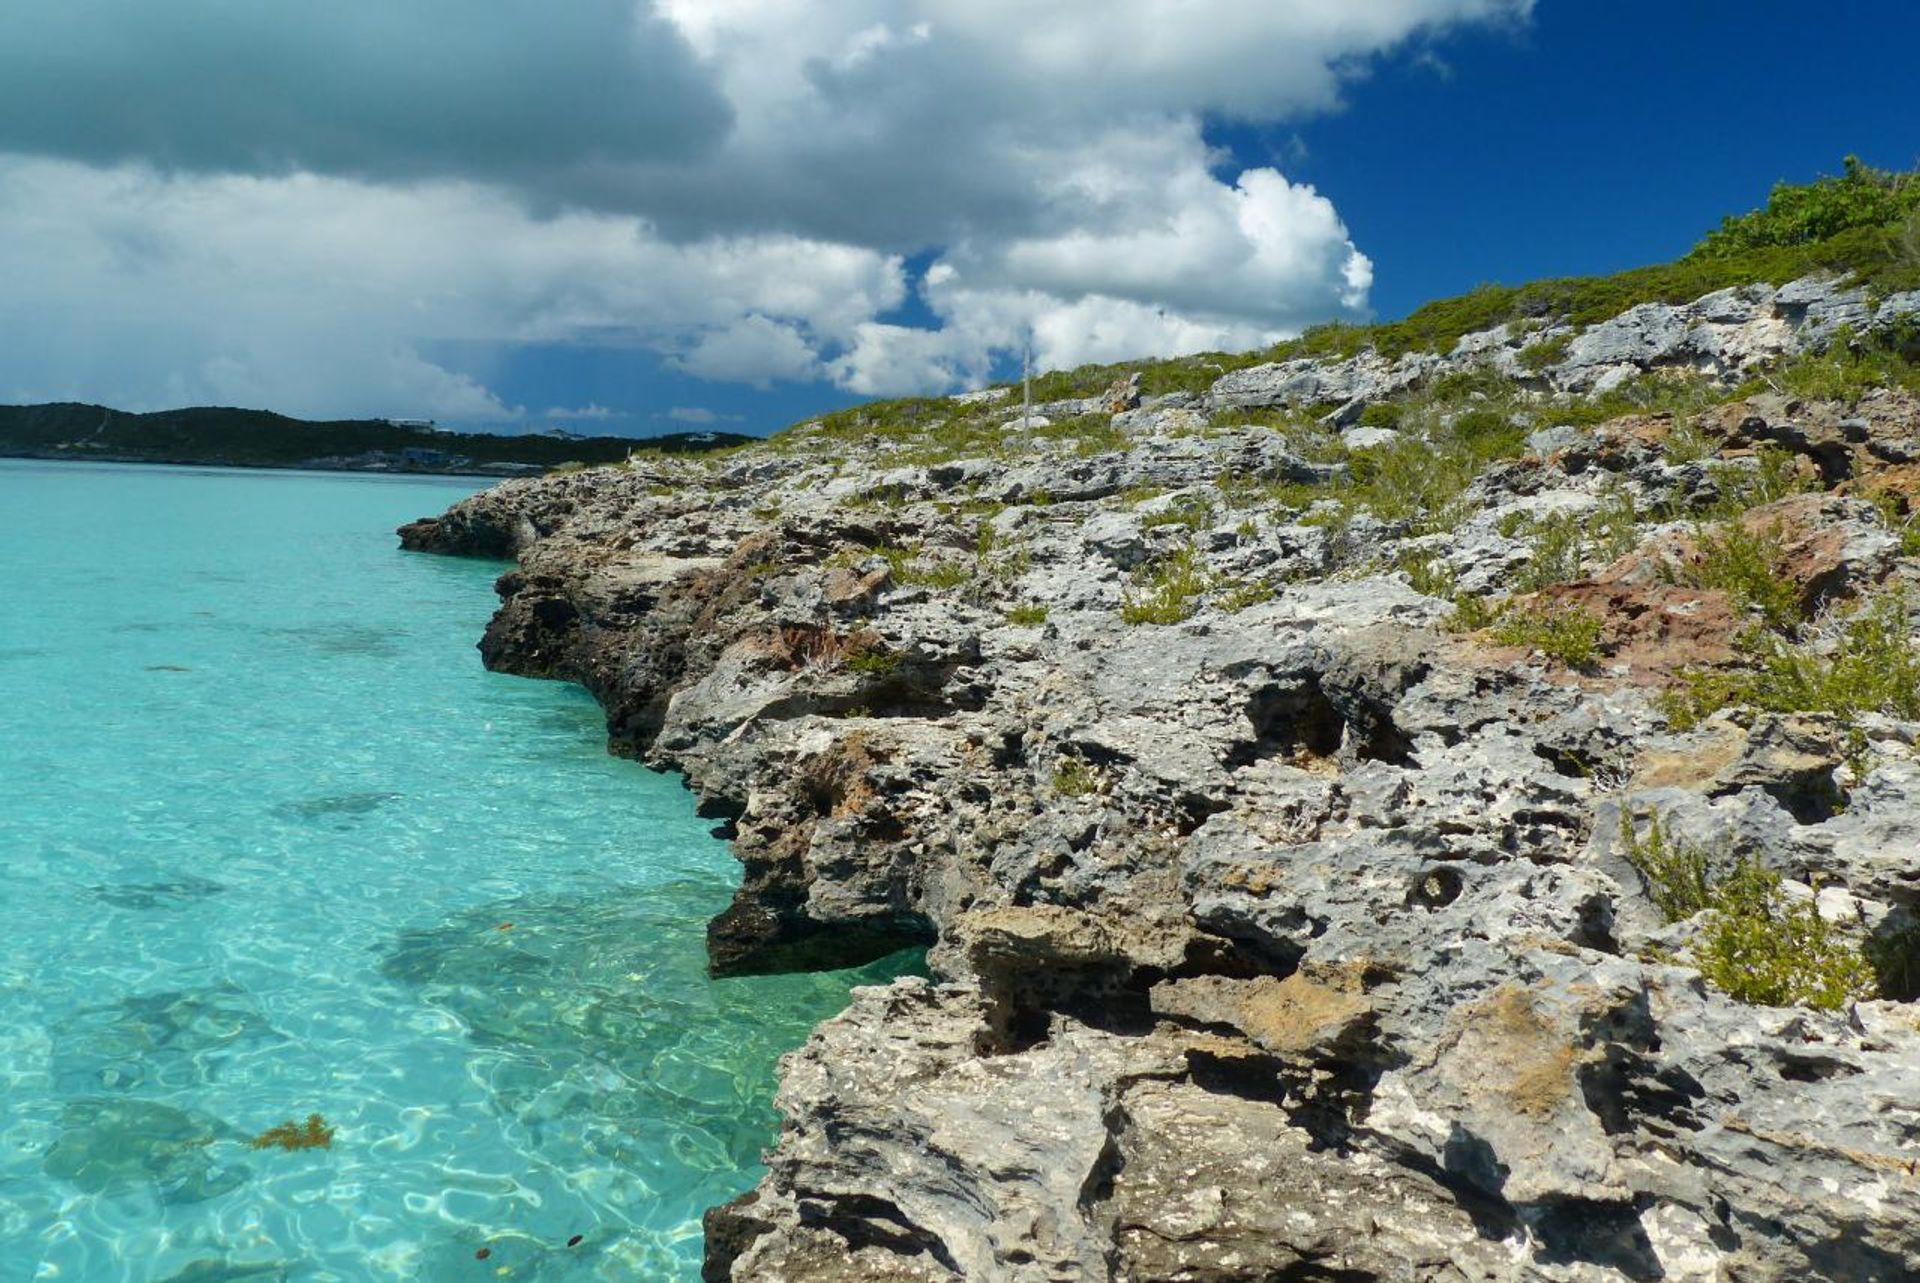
(1294,938)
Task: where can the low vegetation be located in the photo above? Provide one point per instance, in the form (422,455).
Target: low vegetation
(1562,631)
(1074,778)
(1771,475)
(1864,663)
(1848,368)
(1749,565)
(910,567)
(1756,943)
(1166,591)
(1189,512)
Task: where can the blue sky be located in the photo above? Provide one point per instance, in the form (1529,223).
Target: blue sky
(1600,136)
(633,216)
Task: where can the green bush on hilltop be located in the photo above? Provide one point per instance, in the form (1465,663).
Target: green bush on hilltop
(1806,213)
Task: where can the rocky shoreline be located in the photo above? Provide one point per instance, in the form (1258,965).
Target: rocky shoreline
(1283,920)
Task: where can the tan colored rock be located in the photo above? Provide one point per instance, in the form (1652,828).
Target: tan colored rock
(1299,1017)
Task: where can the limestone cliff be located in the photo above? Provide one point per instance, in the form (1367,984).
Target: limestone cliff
(1254,762)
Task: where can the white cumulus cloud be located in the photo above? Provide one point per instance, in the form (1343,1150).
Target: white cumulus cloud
(732,186)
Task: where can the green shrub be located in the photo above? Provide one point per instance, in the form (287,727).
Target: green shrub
(1411,481)
(1546,352)
(1426,576)
(1872,665)
(1616,524)
(1382,414)
(1239,596)
(1895,958)
(1167,591)
(1761,947)
(1674,869)
(1655,392)
(1089,434)
(1686,444)
(1749,566)
(1756,944)
(1564,632)
(943,574)
(909,569)
(1027,616)
(1471,613)
(1074,778)
(1806,213)
(1197,373)
(1558,543)
(1010,567)
(874,662)
(1189,511)
(1773,476)
(1847,368)
(1904,524)
(1489,434)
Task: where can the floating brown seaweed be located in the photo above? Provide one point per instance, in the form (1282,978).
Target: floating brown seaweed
(316,1134)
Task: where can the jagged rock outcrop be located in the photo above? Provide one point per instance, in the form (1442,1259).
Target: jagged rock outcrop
(1285,934)
(1728,335)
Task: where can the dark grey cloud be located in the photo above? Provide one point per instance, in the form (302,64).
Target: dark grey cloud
(525,93)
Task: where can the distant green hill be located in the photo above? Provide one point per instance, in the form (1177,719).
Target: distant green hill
(259,438)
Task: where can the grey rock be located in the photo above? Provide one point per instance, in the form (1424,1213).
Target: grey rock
(1292,937)
(1551,440)
(1368,438)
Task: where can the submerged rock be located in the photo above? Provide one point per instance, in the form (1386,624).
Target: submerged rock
(117,1146)
(173,1038)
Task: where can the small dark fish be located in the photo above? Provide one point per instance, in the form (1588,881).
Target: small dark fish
(483,1254)
(168,668)
(575,1240)
(335,806)
(157,895)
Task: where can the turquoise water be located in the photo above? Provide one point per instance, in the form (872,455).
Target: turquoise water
(272,843)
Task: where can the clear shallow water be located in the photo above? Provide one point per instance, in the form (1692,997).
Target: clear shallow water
(273,843)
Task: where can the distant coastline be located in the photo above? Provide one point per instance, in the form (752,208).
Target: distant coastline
(239,438)
(114,461)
